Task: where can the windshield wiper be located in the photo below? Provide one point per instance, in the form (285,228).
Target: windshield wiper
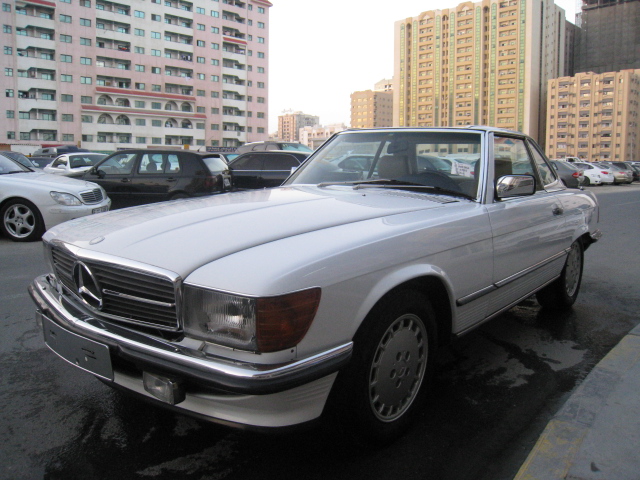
(397,184)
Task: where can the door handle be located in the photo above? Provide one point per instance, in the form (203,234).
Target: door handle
(171,179)
(558,210)
(124,180)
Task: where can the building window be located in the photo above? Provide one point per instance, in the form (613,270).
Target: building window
(85,3)
(6,7)
(260,24)
(156,70)
(11,135)
(66,78)
(67,117)
(215,14)
(156,105)
(215,30)
(156,18)
(8,72)
(156,123)
(65,38)
(87,138)
(8,92)
(139,32)
(85,41)
(138,14)
(215,78)
(7,29)
(200,59)
(140,104)
(86,80)
(85,61)
(215,46)
(85,22)
(67,137)
(201,27)
(140,86)
(65,18)
(156,35)
(139,68)
(86,100)
(141,122)
(87,119)
(66,98)
(155,53)
(66,58)
(215,61)
(10,114)
(156,141)
(8,50)
(141,139)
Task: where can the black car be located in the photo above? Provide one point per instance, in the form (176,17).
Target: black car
(137,177)
(269,145)
(570,176)
(264,169)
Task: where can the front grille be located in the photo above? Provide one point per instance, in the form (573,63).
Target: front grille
(92,196)
(128,295)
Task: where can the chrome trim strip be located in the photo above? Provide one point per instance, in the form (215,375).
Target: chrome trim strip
(137,299)
(235,376)
(473,296)
(522,273)
(486,290)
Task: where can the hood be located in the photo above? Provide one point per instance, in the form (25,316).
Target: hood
(48,180)
(183,235)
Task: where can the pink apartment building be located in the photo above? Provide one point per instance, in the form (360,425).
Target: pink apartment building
(106,75)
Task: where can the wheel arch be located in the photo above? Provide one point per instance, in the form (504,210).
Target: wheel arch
(433,285)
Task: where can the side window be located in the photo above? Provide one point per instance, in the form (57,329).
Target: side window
(59,162)
(250,162)
(545,171)
(281,162)
(120,164)
(172,164)
(512,158)
(151,163)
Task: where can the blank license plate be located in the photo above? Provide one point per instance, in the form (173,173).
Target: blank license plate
(86,354)
(100,209)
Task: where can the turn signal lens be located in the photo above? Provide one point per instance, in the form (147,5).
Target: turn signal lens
(283,321)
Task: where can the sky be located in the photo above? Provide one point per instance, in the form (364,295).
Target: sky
(321,52)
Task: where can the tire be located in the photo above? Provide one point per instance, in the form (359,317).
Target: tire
(562,293)
(21,221)
(586,182)
(383,387)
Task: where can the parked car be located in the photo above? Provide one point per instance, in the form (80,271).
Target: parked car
(31,202)
(53,152)
(595,174)
(625,166)
(620,176)
(570,175)
(74,164)
(635,171)
(264,169)
(272,145)
(140,176)
(21,159)
(330,293)
(41,162)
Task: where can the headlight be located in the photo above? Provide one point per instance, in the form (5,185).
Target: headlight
(266,324)
(65,199)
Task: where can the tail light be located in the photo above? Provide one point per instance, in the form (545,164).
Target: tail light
(210,181)
(605,172)
(575,174)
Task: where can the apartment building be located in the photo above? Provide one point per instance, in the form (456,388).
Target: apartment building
(479,63)
(313,137)
(373,108)
(609,36)
(595,116)
(290,123)
(108,75)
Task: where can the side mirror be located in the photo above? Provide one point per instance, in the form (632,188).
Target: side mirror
(515,186)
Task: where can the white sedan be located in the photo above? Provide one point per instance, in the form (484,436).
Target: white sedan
(595,174)
(73,164)
(333,292)
(32,202)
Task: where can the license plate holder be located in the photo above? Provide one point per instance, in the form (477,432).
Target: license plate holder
(100,209)
(86,354)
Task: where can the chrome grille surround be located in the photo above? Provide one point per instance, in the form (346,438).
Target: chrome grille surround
(132,292)
(92,196)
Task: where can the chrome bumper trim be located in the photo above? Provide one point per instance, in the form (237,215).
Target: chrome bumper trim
(150,352)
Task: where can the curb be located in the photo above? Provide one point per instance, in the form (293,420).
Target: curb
(596,434)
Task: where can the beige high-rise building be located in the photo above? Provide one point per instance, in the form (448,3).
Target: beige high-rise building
(313,137)
(479,63)
(370,109)
(290,123)
(595,116)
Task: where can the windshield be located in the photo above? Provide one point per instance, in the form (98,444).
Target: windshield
(298,147)
(440,161)
(10,166)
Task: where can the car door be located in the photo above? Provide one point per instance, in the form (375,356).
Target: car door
(115,174)
(530,233)
(277,167)
(154,177)
(246,170)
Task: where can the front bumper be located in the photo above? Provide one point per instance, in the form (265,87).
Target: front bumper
(215,387)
